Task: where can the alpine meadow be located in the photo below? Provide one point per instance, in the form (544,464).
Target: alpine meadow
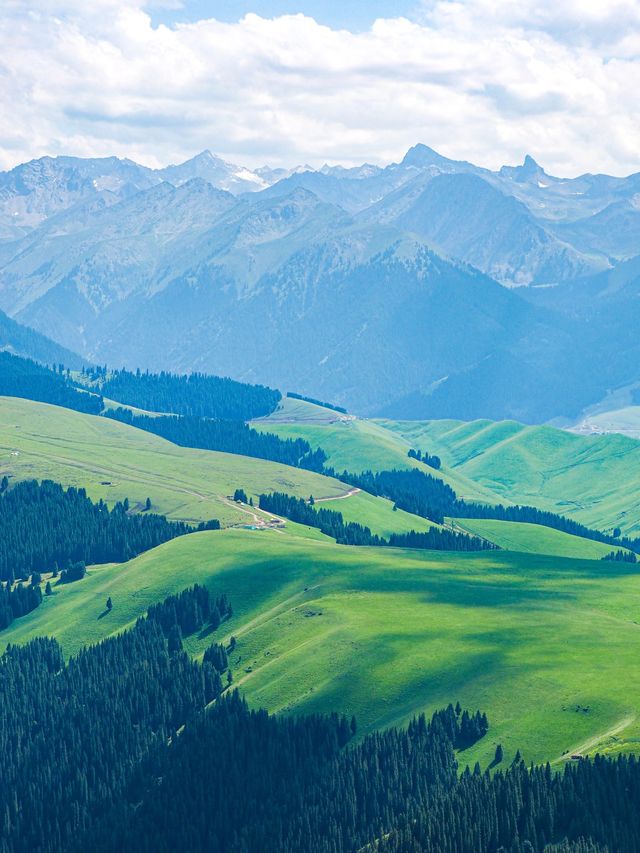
(319,480)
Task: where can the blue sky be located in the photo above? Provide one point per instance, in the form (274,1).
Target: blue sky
(353,16)
(480,80)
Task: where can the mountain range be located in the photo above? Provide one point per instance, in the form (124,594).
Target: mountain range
(427,288)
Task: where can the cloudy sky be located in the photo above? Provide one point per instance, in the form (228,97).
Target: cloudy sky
(307,82)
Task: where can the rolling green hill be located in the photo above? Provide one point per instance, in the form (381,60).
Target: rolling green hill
(583,477)
(589,478)
(113,461)
(547,646)
(356,445)
(533,538)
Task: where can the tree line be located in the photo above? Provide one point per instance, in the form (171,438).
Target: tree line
(21,377)
(244,782)
(132,746)
(620,556)
(74,738)
(332,523)
(18,600)
(44,527)
(328,521)
(313,400)
(426,458)
(225,436)
(436,539)
(423,494)
(190,611)
(587,807)
(193,394)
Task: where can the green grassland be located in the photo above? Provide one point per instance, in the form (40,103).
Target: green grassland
(289,409)
(544,636)
(593,479)
(547,646)
(356,445)
(113,461)
(374,512)
(533,538)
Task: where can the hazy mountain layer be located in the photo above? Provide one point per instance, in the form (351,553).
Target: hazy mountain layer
(376,287)
(25,342)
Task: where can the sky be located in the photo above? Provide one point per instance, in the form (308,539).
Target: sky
(353,16)
(287,83)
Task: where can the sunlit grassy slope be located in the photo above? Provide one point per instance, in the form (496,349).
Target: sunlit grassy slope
(354,444)
(533,538)
(594,479)
(376,513)
(547,646)
(113,461)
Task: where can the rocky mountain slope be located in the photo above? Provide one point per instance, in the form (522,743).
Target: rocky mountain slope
(430,287)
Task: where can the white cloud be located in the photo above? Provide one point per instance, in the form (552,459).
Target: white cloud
(485,80)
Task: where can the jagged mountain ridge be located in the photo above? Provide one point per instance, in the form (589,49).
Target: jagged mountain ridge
(310,281)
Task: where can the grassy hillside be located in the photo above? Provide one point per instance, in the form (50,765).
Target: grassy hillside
(547,646)
(533,538)
(113,461)
(357,445)
(590,478)
(377,513)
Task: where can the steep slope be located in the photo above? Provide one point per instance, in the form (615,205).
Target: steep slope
(563,200)
(364,329)
(605,307)
(75,265)
(467,218)
(613,231)
(20,340)
(138,247)
(216,171)
(34,191)
(320,282)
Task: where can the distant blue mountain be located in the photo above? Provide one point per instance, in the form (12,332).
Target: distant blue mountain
(427,287)
(20,340)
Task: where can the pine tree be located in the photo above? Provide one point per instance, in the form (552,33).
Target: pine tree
(174,639)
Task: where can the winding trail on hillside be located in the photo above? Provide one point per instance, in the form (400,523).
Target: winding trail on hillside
(589,744)
(348,494)
(259,521)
